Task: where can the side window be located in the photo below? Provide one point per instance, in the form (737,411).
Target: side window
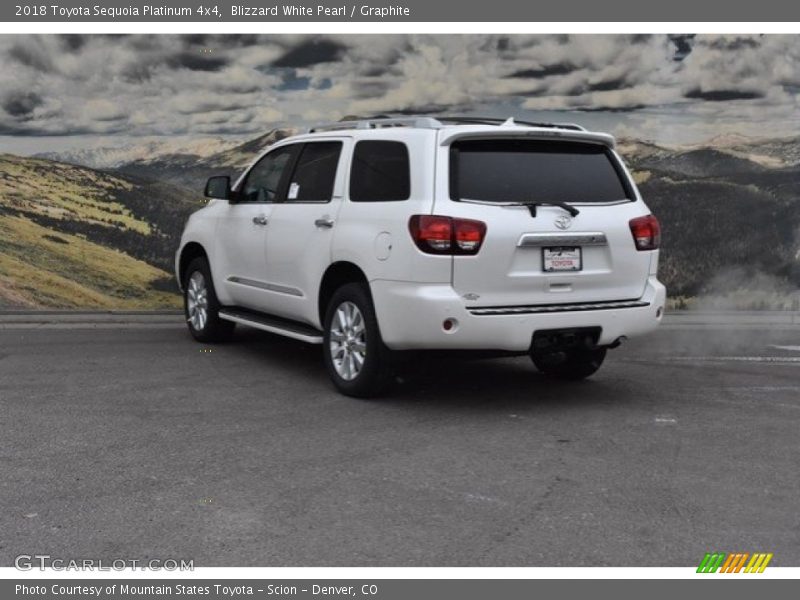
(315,173)
(380,172)
(264,179)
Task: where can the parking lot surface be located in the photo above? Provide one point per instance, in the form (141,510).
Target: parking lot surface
(133,441)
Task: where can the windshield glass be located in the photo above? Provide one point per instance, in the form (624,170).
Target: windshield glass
(534,171)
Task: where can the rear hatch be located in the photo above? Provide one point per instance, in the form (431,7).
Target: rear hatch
(542,254)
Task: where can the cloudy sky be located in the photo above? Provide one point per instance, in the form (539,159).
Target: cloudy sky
(76,91)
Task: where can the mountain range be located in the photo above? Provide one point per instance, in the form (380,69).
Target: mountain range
(729,208)
(112,157)
(191,171)
(730,215)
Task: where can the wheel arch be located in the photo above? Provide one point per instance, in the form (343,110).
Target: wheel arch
(189,252)
(335,276)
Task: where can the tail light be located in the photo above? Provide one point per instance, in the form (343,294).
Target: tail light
(646,232)
(434,234)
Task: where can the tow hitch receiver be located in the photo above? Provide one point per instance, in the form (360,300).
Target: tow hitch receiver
(559,340)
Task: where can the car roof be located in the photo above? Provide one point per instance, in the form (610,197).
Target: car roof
(451,128)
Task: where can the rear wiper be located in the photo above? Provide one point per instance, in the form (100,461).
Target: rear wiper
(530,205)
(563,205)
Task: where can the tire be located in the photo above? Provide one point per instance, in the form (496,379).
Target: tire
(573,364)
(355,356)
(201,307)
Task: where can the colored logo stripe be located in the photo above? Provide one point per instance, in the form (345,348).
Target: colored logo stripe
(711,562)
(758,563)
(734,562)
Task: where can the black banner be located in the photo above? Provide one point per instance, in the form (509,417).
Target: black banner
(730,587)
(221,11)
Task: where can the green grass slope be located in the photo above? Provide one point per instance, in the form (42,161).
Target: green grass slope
(73,237)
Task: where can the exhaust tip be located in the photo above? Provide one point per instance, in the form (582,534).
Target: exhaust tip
(618,342)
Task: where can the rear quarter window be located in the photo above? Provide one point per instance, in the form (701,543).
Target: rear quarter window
(380,172)
(535,171)
(315,174)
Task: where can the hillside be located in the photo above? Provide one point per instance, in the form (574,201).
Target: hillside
(71,236)
(782,152)
(701,163)
(731,222)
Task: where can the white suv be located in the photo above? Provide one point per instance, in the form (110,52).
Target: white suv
(391,234)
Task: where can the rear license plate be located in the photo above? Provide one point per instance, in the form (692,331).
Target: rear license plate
(561,259)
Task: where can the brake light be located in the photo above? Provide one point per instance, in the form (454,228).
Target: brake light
(469,235)
(646,232)
(434,234)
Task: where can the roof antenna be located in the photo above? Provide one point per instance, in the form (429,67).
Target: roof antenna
(509,122)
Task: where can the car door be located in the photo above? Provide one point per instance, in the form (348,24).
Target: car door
(242,230)
(301,229)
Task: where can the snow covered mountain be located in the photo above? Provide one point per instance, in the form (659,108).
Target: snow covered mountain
(145,149)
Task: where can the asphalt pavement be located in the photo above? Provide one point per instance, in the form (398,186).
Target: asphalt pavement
(124,438)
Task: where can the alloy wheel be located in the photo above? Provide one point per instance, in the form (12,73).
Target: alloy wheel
(197,301)
(348,341)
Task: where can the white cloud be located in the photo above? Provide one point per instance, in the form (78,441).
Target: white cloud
(157,85)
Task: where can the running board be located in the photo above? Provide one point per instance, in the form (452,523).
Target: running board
(277,325)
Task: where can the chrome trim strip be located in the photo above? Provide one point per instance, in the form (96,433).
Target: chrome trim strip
(311,339)
(589,238)
(263,285)
(555,308)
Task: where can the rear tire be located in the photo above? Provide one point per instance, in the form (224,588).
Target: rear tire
(201,307)
(355,356)
(573,364)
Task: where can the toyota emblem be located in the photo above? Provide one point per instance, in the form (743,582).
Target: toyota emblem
(563,222)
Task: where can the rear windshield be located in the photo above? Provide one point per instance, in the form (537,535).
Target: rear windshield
(534,171)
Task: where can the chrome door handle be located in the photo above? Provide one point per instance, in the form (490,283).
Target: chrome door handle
(325,223)
(260,220)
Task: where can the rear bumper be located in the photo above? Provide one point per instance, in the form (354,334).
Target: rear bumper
(411,316)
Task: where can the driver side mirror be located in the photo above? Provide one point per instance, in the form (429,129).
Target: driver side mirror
(219,187)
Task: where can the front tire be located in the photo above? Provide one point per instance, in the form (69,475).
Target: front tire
(201,306)
(355,356)
(573,364)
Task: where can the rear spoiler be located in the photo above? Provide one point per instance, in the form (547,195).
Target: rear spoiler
(447,136)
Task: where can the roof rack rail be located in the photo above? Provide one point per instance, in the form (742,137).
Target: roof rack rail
(421,122)
(426,122)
